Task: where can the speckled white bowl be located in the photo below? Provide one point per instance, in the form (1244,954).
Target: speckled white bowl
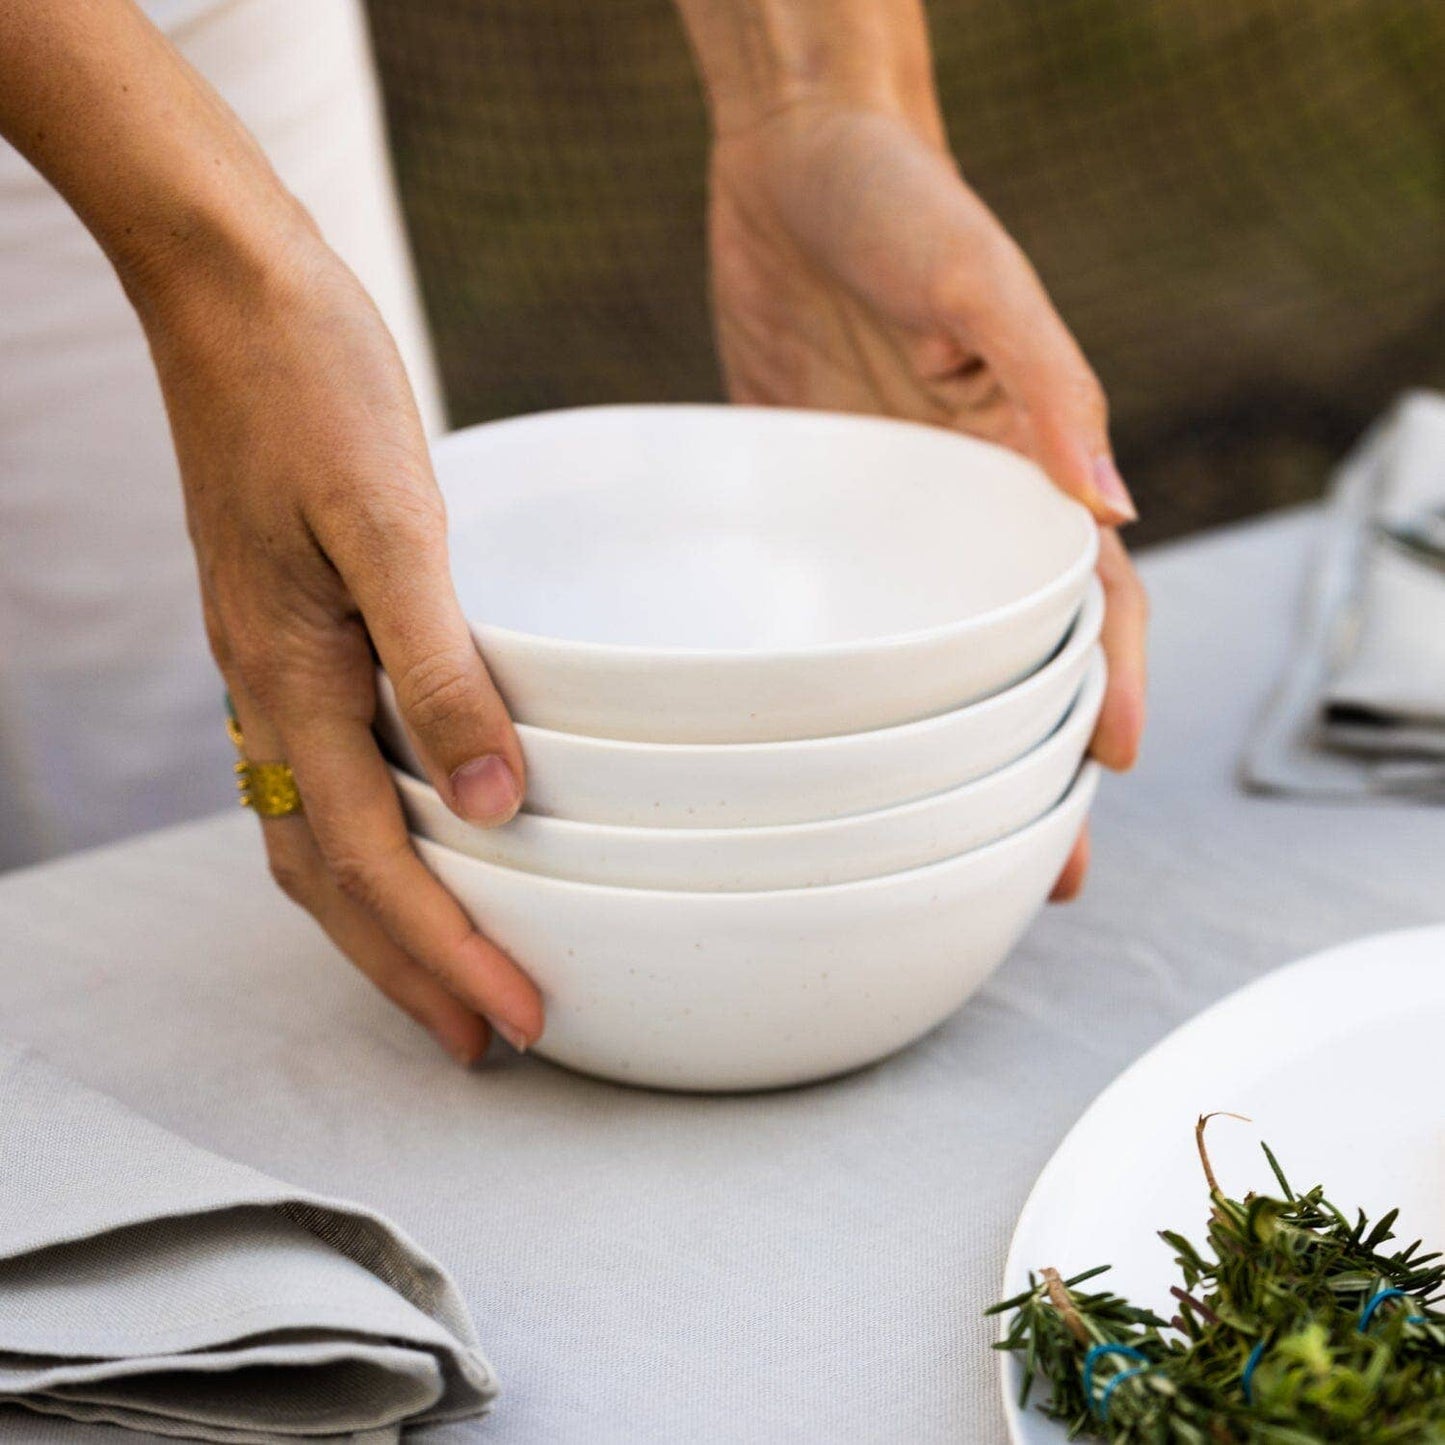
(744,785)
(796,855)
(725,991)
(720,574)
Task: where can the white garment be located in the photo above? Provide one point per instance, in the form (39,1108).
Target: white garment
(110,706)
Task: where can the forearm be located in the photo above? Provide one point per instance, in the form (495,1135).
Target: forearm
(147,154)
(759,56)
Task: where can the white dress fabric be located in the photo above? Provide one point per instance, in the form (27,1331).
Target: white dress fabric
(110,706)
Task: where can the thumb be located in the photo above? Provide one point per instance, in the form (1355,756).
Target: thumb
(456,719)
(464,738)
(1063,414)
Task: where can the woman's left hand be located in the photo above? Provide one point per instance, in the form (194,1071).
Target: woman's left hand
(854,270)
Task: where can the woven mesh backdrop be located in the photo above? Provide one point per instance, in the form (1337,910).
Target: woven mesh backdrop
(1239,206)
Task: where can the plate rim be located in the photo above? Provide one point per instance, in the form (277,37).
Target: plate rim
(1272,980)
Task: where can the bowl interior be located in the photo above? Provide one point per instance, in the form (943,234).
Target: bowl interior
(739,529)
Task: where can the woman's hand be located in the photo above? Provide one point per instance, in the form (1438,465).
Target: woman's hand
(320,535)
(853,269)
(317,524)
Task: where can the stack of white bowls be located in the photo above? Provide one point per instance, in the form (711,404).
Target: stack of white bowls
(804,700)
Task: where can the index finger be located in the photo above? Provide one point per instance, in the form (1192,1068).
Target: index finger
(998,307)
(389,547)
(357,822)
(1126,621)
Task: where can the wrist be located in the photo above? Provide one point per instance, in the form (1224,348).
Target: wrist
(759,58)
(165,177)
(204,244)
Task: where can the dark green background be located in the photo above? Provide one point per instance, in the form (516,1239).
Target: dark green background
(1239,207)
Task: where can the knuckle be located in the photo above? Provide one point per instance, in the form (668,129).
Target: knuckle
(1088,396)
(217,638)
(253,655)
(360,875)
(413,512)
(293,879)
(953,296)
(262,682)
(355,877)
(965,280)
(295,874)
(295,669)
(946,294)
(386,516)
(437,691)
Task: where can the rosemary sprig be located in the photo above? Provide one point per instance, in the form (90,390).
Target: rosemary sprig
(1296,1324)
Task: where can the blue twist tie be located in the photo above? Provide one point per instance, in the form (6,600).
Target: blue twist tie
(1097,1352)
(1113,1385)
(1368,1313)
(1247,1378)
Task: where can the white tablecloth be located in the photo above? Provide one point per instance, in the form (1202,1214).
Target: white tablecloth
(808,1266)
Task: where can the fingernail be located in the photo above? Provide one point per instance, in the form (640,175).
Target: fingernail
(1112,491)
(486,791)
(515,1037)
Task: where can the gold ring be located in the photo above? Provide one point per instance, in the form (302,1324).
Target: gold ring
(268,789)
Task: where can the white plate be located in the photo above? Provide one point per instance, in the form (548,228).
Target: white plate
(742,574)
(1319,1056)
(749,785)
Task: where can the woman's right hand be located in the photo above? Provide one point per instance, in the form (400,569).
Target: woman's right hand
(319,535)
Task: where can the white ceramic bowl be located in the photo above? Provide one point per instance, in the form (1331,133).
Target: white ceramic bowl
(722,991)
(745,785)
(717,574)
(792,855)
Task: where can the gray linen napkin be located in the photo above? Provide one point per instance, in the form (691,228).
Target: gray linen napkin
(145,1282)
(1360,712)
(1387,695)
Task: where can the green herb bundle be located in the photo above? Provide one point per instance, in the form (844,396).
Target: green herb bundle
(1294,1326)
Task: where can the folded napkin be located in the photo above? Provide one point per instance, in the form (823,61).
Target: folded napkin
(1387,694)
(1361,710)
(145,1282)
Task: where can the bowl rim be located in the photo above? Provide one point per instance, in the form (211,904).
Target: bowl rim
(1083,786)
(1039,599)
(1082,711)
(1082,635)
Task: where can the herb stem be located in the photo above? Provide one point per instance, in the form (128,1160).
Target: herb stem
(1063,1301)
(1201,1124)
